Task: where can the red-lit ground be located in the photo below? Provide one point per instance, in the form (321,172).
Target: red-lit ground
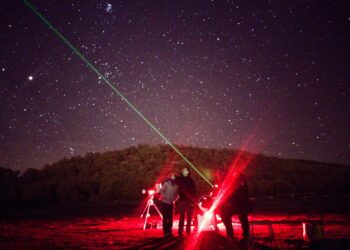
(126,233)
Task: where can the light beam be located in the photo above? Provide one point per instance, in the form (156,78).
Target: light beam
(116,91)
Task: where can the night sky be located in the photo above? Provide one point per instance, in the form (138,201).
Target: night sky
(206,73)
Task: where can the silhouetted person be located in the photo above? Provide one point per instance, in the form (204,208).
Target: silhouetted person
(187,200)
(237,203)
(169,193)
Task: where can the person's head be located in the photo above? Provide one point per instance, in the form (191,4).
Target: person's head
(171,175)
(185,171)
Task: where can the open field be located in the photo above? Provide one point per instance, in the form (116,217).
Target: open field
(108,232)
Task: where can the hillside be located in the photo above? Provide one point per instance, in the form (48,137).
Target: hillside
(119,176)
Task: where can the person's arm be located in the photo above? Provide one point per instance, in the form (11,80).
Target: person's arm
(176,194)
(163,189)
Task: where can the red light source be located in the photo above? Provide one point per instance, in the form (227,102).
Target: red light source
(208,215)
(151,192)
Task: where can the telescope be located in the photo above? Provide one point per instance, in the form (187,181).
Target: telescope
(150,203)
(152,191)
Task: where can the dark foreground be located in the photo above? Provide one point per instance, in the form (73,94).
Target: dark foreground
(101,232)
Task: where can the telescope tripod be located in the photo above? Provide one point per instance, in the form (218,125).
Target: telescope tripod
(146,210)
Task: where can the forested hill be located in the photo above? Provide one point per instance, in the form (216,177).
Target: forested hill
(120,176)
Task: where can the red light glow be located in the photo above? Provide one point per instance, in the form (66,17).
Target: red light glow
(228,185)
(151,192)
(208,216)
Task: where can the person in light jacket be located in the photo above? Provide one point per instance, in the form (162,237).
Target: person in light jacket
(169,193)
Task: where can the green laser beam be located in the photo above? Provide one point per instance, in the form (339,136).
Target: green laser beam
(91,66)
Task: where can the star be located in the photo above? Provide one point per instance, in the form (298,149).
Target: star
(109,8)
(208,77)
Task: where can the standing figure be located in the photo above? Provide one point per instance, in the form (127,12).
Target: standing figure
(169,193)
(237,203)
(187,200)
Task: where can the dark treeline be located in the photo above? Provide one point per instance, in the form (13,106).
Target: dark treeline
(119,176)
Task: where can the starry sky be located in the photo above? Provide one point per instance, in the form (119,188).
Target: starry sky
(206,73)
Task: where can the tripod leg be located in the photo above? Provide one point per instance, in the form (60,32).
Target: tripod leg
(160,214)
(144,210)
(147,214)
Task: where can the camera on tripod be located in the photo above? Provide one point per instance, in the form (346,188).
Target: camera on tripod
(153,191)
(150,203)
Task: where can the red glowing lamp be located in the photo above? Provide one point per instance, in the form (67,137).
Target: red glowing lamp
(151,192)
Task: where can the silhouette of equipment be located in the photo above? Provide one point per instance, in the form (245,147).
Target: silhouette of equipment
(146,211)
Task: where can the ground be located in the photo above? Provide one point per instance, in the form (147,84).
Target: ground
(108,232)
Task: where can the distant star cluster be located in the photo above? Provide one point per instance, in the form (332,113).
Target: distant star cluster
(213,74)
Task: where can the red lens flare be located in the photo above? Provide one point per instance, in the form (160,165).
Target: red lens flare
(208,216)
(229,184)
(208,222)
